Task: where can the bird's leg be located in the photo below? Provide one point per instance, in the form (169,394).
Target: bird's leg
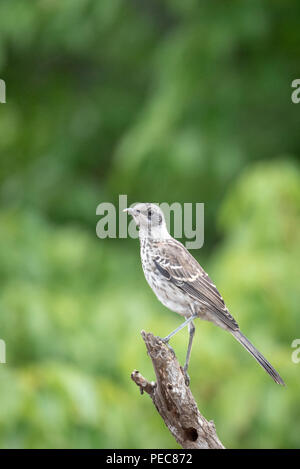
(188,354)
(187,321)
(192,331)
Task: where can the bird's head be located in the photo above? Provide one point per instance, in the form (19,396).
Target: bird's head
(150,220)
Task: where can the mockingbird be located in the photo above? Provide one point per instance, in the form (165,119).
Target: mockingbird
(181,284)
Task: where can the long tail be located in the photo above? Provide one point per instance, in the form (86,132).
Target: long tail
(258,356)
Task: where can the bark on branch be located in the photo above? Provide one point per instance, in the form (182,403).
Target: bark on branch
(174,400)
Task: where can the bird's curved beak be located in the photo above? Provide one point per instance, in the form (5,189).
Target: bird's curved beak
(129,210)
(133,213)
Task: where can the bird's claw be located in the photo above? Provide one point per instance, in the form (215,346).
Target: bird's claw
(165,340)
(186,377)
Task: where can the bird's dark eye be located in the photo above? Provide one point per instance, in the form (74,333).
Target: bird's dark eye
(150,213)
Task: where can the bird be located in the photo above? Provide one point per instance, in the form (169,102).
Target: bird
(182,285)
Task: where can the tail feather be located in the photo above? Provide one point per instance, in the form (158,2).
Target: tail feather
(258,356)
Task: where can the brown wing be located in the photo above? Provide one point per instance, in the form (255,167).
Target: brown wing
(178,266)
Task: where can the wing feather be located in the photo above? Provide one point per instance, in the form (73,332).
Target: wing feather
(178,266)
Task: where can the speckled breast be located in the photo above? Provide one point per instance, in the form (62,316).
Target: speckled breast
(169,295)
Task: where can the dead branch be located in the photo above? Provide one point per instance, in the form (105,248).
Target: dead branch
(173,398)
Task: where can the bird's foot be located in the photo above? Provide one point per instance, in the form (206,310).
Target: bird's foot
(165,340)
(186,377)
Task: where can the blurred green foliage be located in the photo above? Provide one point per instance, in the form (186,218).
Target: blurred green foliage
(163,101)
